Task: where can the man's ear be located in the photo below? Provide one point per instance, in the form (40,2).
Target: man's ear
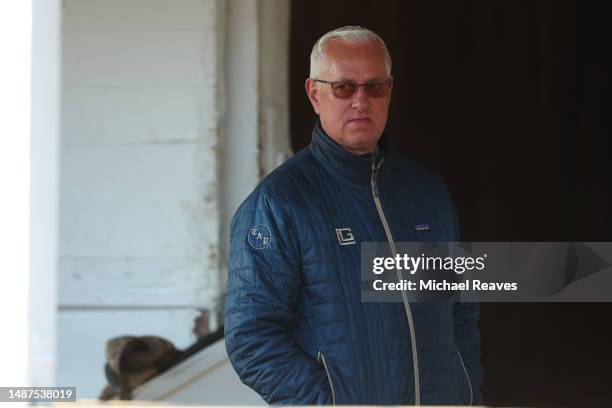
(312,90)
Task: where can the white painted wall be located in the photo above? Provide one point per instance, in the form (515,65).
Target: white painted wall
(15,103)
(169,120)
(44,194)
(29,40)
(139,215)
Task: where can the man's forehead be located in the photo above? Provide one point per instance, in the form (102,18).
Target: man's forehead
(352,62)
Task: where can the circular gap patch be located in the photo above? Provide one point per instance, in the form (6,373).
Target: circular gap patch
(260,236)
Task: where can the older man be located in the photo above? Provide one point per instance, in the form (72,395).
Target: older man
(296,330)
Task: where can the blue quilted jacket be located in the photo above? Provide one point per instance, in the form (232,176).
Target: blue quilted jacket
(296,330)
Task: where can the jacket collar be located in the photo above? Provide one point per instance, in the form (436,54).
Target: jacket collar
(340,163)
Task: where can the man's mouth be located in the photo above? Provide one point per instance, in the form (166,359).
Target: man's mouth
(358,121)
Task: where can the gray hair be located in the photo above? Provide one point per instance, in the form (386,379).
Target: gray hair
(347,34)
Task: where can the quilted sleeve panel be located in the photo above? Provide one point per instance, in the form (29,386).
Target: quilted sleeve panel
(263,288)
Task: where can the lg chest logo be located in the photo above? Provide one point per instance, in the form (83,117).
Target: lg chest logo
(345,236)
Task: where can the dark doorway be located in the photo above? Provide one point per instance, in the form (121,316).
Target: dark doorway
(510,103)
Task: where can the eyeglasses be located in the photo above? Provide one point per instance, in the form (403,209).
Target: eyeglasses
(345,90)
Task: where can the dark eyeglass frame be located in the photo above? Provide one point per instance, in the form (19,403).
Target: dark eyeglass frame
(372,93)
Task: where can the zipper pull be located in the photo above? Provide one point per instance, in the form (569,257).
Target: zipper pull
(375,168)
(373,180)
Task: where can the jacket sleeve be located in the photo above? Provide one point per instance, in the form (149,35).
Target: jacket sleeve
(263,287)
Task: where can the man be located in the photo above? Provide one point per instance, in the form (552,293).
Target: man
(296,330)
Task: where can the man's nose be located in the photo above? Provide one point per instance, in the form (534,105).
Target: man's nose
(360,98)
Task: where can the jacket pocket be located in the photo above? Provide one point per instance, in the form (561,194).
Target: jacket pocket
(321,360)
(469,382)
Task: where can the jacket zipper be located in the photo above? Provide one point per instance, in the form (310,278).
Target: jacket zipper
(321,359)
(383,219)
(468,378)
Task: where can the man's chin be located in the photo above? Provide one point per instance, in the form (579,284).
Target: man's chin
(362,143)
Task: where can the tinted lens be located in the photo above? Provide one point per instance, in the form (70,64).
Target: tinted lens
(343,90)
(377,89)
